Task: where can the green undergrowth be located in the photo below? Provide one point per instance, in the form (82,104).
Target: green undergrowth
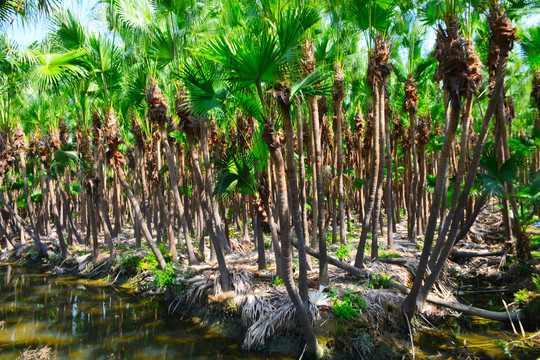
(379,281)
(132,263)
(348,305)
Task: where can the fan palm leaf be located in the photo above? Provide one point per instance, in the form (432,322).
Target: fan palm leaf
(206,88)
(235,172)
(51,70)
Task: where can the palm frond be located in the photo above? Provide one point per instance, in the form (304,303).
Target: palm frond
(135,14)
(530,45)
(206,88)
(54,69)
(69,30)
(235,172)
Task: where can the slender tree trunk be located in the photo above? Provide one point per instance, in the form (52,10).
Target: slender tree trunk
(283,100)
(54,209)
(302,175)
(373,181)
(197,178)
(380,177)
(409,304)
(286,250)
(139,215)
(339,93)
(173,175)
(31,212)
(473,169)
(323,262)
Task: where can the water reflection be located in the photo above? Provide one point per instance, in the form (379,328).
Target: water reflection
(80,320)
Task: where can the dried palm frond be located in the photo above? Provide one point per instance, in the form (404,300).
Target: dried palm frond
(43,353)
(242,281)
(379,66)
(273,314)
(458,65)
(63,129)
(157,104)
(308,61)
(424,127)
(54,140)
(19,140)
(503,35)
(411,95)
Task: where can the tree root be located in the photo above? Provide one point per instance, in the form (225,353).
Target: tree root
(465,309)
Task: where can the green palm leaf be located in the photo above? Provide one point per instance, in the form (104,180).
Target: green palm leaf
(207,90)
(530,45)
(55,69)
(69,30)
(235,172)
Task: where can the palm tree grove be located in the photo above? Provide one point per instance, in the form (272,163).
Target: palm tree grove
(268,179)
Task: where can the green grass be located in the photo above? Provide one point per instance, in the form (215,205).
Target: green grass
(388,254)
(348,306)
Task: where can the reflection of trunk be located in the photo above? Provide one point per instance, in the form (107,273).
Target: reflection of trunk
(286,250)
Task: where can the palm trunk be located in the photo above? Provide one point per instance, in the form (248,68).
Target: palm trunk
(138,213)
(339,93)
(283,100)
(17,218)
(197,178)
(56,218)
(173,183)
(319,186)
(389,198)
(413,179)
(286,251)
(31,212)
(505,33)
(373,181)
(409,304)
(302,175)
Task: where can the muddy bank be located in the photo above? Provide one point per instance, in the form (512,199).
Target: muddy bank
(258,314)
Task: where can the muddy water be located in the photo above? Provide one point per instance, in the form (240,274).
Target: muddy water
(80,320)
(460,338)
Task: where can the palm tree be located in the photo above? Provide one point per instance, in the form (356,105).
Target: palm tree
(502,33)
(27,10)
(253,59)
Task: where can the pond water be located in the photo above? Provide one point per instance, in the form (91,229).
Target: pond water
(80,320)
(485,339)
